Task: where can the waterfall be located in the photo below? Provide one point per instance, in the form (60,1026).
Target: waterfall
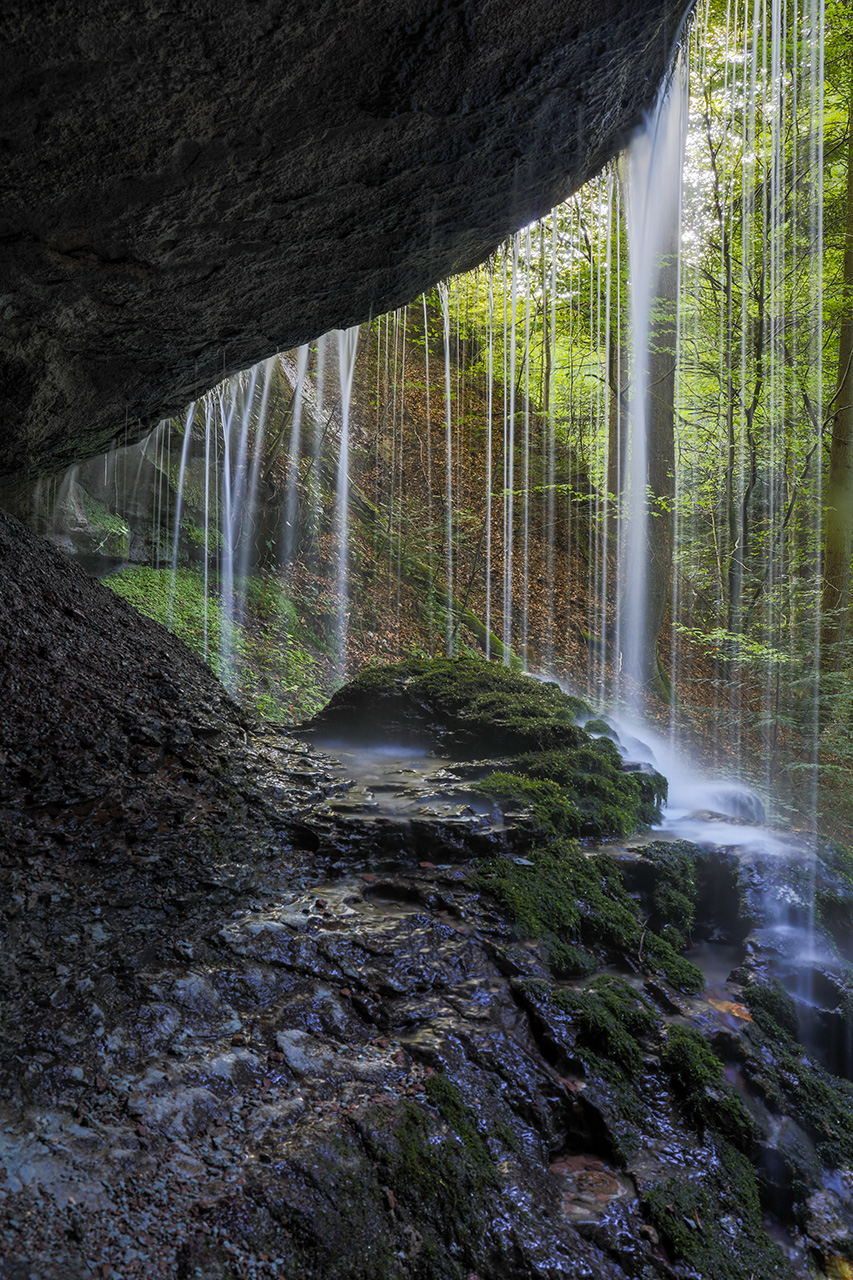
(294,455)
(448,472)
(537,497)
(490,375)
(653,204)
(347,346)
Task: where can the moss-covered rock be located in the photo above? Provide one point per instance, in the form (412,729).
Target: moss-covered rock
(437,1165)
(477,705)
(772,1008)
(577,905)
(607,799)
(675,891)
(612,1018)
(713,1222)
(696,1074)
(569,783)
(795,1084)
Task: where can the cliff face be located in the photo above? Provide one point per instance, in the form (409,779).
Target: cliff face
(190,190)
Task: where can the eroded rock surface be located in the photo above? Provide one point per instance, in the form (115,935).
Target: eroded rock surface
(187,191)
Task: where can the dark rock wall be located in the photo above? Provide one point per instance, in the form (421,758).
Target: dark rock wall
(188,187)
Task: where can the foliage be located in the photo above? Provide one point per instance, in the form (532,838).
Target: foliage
(272,651)
(181,606)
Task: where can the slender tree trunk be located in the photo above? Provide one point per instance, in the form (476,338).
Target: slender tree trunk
(839,498)
(617,435)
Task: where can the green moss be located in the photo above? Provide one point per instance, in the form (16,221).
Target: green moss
(568,961)
(600,726)
(714,1223)
(481,702)
(604,1024)
(552,813)
(197,536)
(444,1179)
(278,675)
(114,532)
(178,604)
(696,1075)
(577,905)
(565,895)
(611,1018)
(676,889)
(794,1083)
(772,1008)
(608,801)
(505,1135)
(660,956)
(443,1094)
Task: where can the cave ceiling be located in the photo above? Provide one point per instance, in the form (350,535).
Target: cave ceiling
(191,187)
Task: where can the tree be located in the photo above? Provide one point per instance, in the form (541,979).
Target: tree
(839,498)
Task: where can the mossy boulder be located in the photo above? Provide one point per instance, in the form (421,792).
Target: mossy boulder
(714,1223)
(597,796)
(476,706)
(565,782)
(696,1075)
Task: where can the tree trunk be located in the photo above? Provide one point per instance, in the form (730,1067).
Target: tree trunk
(839,498)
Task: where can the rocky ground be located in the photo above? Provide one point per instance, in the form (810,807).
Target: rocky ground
(259,1022)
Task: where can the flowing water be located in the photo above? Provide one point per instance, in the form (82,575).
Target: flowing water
(347,347)
(654,166)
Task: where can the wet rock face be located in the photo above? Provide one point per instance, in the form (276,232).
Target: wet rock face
(189,192)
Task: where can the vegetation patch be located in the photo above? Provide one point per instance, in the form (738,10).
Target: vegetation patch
(696,1075)
(444,1178)
(772,1008)
(177,603)
(795,1084)
(676,889)
(608,801)
(611,1018)
(271,648)
(714,1223)
(480,705)
(578,907)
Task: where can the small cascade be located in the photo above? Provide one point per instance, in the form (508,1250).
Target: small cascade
(294,457)
(347,347)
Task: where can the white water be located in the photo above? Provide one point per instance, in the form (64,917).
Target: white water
(654,167)
(347,346)
(294,455)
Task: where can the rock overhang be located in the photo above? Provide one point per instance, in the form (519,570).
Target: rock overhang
(188,192)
